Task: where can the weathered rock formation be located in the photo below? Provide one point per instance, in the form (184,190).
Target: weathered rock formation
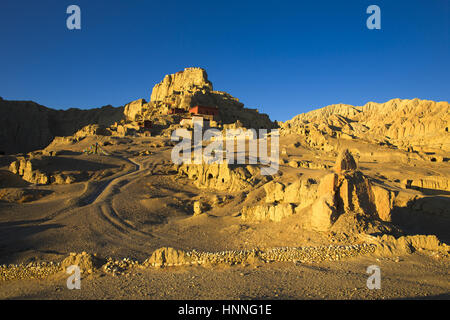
(92,129)
(31,170)
(414,125)
(346,190)
(180,85)
(49,167)
(167,256)
(221,176)
(273,212)
(388,245)
(432,182)
(349,190)
(134,108)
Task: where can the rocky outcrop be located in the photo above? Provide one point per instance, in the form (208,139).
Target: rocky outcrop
(188,88)
(388,245)
(169,257)
(25,168)
(302,193)
(348,190)
(180,84)
(90,130)
(59,168)
(282,200)
(26,126)
(135,108)
(221,176)
(31,170)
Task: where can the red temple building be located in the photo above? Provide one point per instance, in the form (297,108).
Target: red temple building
(204,110)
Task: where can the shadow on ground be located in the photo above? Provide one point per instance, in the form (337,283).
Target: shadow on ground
(428,215)
(15,237)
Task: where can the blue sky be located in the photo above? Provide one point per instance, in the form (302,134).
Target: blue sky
(282,57)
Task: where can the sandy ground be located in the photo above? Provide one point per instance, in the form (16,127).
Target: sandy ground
(142,207)
(412,277)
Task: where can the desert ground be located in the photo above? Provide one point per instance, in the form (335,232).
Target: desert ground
(348,193)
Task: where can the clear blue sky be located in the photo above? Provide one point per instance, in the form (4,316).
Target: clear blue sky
(283,57)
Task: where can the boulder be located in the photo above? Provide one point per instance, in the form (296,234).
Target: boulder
(86,262)
(167,256)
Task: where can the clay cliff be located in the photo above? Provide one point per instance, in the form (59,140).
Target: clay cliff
(27,126)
